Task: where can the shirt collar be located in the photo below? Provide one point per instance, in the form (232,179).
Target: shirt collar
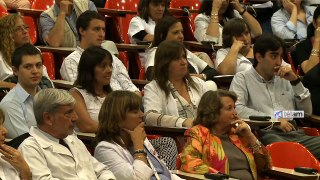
(23,94)
(80,49)
(45,140)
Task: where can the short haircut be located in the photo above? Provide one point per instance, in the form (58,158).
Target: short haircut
(91,58)
(24,50)
(168,51)
(265,43)
(311,28)
(143,8)
(209,107)
(113,111)
(162,28)
(233,28)
(49,100)
(84,20)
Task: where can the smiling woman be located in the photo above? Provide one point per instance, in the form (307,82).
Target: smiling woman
(92,86)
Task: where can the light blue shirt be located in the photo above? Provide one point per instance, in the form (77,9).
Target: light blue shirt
(262,98)
(284,28)
(18,109)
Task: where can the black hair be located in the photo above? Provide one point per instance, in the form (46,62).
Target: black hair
(24,50)
(84,20)
(311,28)
(267,42)
(90,58)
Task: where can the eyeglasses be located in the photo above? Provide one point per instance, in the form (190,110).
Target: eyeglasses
(21,28)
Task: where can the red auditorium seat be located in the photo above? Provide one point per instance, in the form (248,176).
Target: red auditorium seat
(290,155)
(42,4)
(48,61)
(32,28)
(3,11)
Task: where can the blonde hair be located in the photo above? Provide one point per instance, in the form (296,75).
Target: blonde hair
(7,27)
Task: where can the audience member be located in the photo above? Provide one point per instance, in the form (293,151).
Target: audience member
(170,28)
(17,104)
(91,87)
(58,23)
(237,53)
(15,4)
(307,54)
(291,21)
(13,34)
(91,31)
(12,164)
(213,14)
(53,151)
(122,143)
(171,99)
(221,142)
(278,89)
(141,28)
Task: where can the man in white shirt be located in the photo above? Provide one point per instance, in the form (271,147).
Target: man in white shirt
(91,31)
(17,105)
(53,151)
(269,87)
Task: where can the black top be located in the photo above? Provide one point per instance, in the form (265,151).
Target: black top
(311,80)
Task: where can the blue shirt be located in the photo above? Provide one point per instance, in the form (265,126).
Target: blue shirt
(284,28)
(18,109)
(47,23)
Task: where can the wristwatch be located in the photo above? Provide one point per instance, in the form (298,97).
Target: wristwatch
(295,82)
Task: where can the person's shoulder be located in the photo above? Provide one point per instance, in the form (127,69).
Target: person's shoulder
(10,98)
(30,142)
(106,144)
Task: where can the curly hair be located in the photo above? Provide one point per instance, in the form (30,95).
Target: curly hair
(7,26)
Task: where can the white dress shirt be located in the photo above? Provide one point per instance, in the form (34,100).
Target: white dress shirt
(48,159)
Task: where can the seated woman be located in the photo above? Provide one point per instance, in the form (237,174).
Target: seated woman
(237,53)
(171,99)
(122,143)
(14,33)
(12,164)
(141,27)
(213,15)
(291,21)
(170,28)
(308,55)
(91,86)
(220,142)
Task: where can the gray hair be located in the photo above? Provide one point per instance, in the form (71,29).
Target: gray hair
(48,100)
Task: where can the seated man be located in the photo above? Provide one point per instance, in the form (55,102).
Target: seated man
(58,23)
(269,87)
(91,31)
(17,104)
(52,150)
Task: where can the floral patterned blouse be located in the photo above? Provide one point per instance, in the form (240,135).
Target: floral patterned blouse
(204,153)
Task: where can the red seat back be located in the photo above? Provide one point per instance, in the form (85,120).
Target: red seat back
(48,61)
(190,4)
(311,131)
(32,28)
(123,22)
(42,4)
(291,155)
(3,11)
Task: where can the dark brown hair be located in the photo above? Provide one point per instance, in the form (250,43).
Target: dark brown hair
(113,111)
(168,51)
(233,28)
(209,107)
(143,8)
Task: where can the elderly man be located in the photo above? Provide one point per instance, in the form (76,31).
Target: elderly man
(269,87)
(58,23)
(52,150)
